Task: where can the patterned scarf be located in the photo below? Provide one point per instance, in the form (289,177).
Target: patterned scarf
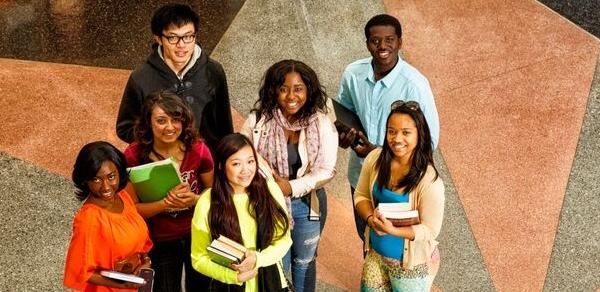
(273,144)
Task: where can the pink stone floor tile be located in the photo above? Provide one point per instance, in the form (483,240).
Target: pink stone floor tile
(511,81)
(52,110)
(459,42)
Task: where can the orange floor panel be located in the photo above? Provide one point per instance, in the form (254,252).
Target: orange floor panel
(51,110)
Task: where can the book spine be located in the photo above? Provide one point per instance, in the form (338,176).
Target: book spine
(405,222)
(232,243)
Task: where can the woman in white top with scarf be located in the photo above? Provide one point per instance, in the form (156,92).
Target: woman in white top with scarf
(290,129)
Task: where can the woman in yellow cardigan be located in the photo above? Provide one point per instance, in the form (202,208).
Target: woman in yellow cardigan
(402,171)
(239,200)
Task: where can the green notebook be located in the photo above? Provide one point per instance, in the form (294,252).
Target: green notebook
(152,181)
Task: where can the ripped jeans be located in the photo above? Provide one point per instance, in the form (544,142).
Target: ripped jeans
(305,236)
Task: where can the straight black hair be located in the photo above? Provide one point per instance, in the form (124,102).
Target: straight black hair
(173,14)
(222,215)
(88,162)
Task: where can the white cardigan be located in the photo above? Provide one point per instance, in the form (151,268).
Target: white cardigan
(307,178)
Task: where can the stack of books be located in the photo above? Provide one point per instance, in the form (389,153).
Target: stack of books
(397,213)
(225,251)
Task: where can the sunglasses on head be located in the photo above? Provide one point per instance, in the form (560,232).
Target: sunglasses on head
(411,105)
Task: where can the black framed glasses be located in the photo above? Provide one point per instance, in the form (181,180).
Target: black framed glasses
(174,39)
(411,105)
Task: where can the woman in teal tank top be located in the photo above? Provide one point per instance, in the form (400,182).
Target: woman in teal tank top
(401,258)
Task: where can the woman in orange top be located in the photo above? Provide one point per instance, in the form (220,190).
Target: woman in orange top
(107,227)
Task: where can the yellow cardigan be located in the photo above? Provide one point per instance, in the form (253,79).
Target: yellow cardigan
(427,197)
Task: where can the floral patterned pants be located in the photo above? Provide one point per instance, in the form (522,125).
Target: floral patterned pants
(386,274)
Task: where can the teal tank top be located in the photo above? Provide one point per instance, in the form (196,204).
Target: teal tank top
(388,245)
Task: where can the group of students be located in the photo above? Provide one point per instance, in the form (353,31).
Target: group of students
(263,187)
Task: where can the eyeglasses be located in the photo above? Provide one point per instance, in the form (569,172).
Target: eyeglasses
(411,105)
(174,39)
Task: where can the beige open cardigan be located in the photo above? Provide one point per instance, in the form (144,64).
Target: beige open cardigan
(427,197)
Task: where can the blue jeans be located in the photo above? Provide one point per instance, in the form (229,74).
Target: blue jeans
(302,257)
(168,259)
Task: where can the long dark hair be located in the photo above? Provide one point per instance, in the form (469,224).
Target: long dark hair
(173,106)
(422,155)
(88,162)
(316,99)
(222,216)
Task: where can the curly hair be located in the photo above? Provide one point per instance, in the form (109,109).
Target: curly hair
(275,77)
(175,108)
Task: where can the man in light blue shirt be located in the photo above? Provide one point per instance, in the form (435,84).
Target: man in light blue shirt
(369,87)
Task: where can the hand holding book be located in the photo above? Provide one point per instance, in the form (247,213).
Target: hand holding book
(180,197)
(247,264)
(245,276)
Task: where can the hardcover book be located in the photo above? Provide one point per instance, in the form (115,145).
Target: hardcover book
(123,277)
(152,181)
(225,251)
(397,213)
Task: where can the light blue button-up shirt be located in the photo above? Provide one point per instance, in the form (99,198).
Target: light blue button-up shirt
(371,100)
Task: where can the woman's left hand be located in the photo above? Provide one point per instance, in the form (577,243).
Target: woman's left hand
(247,264)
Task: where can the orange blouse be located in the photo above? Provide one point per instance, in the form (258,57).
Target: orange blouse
(99,239)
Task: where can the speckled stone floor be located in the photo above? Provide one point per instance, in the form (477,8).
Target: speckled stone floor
(517,87)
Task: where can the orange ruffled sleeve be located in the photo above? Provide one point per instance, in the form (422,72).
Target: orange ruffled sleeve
(86,253)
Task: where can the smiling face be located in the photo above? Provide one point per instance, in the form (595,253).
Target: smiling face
(106,182)
(165,129)
(402,135)
(178,54)
(384,44)
(292,95)
(240,169)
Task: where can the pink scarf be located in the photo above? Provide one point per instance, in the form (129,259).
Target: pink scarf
(273,144)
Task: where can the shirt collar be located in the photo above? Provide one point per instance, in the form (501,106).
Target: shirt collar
(390,77)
